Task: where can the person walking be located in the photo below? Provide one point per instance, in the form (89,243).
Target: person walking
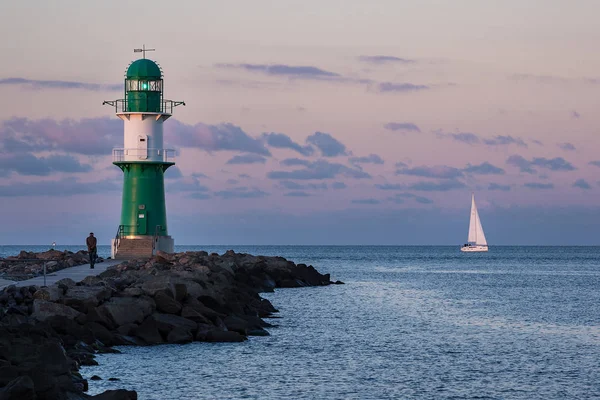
(92,251)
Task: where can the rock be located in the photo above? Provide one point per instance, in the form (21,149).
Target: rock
(215,335)
(180,291)
(83,298)
(50,293)
(179,335)
(127,310)
(21,388)
(45,309)
(157,284)
(148,332)
(236,324)
(167,322)
(192,314)
(101,333)
(120,394)
(95,378)
(128,329)
(113,379)
(68,282)
(166,303)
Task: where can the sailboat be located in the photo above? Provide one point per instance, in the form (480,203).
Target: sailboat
(476,241)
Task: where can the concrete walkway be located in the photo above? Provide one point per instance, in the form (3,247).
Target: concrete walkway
(77,273)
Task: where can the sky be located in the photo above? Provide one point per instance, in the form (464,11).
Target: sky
(310,122)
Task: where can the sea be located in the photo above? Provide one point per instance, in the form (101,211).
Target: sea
(411,322)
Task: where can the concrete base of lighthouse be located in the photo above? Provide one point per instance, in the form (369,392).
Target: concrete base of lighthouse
(140,246)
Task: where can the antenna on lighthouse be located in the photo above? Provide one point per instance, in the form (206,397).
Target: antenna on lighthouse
(143,50)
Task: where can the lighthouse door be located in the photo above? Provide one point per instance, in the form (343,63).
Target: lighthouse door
(142,224)
(142,147)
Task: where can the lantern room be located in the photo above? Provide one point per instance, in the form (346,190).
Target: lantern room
(144,87)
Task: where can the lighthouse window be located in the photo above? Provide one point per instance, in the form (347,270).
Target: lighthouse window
(142,140)
(136,85)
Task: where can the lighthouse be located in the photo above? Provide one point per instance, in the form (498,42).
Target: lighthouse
(143,159)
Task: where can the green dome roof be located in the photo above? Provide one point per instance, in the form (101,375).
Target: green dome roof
(143,68)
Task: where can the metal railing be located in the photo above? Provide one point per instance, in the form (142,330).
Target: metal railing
(123,230)
(166,106)
(165,155)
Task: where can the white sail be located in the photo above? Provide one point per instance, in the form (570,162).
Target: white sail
(476,234)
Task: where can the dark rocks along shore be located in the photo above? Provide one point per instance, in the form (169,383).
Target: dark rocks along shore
(46,333)
(29,264)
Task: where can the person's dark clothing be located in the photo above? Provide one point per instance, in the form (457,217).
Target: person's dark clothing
(92,251)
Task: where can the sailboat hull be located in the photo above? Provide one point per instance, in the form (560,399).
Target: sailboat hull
(473,249)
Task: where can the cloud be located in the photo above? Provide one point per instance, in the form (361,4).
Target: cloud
(327,144)
(536,185)
(390,87)
(575,114)
(387,186)
(471,138)
(186,185)
(370,159)
(365,201)
(551,79)
(173,173)
(295,161)
(297,194)
(338,185)
(438,171)
(538,142)
(245,176)
(291,185)
(553,164)
(501,140)
(595,163)
(232,181)
(61,188)
(247,159)
(385,60)
(465,137)
(29,164)
(200,196)
(402,126)
(399,198)
(437,187)
(290,71)
(484,169)
(241,193)
(54,84)
(582,184)
(88,136)
(566,146)
(496,186)
(319,170)
(282,141)
(214,137)
(199,175)
(400,165)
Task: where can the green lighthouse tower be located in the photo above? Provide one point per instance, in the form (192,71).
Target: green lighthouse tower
(143,160)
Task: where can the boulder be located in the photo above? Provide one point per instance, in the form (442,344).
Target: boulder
(166,303)
(49,293)
(21,388)
(156,284)
(216,335)
(120,394)
(127,310)
(45,309)
(194,315)
(167,322)
(180,335)
(83,298)
(148,332)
